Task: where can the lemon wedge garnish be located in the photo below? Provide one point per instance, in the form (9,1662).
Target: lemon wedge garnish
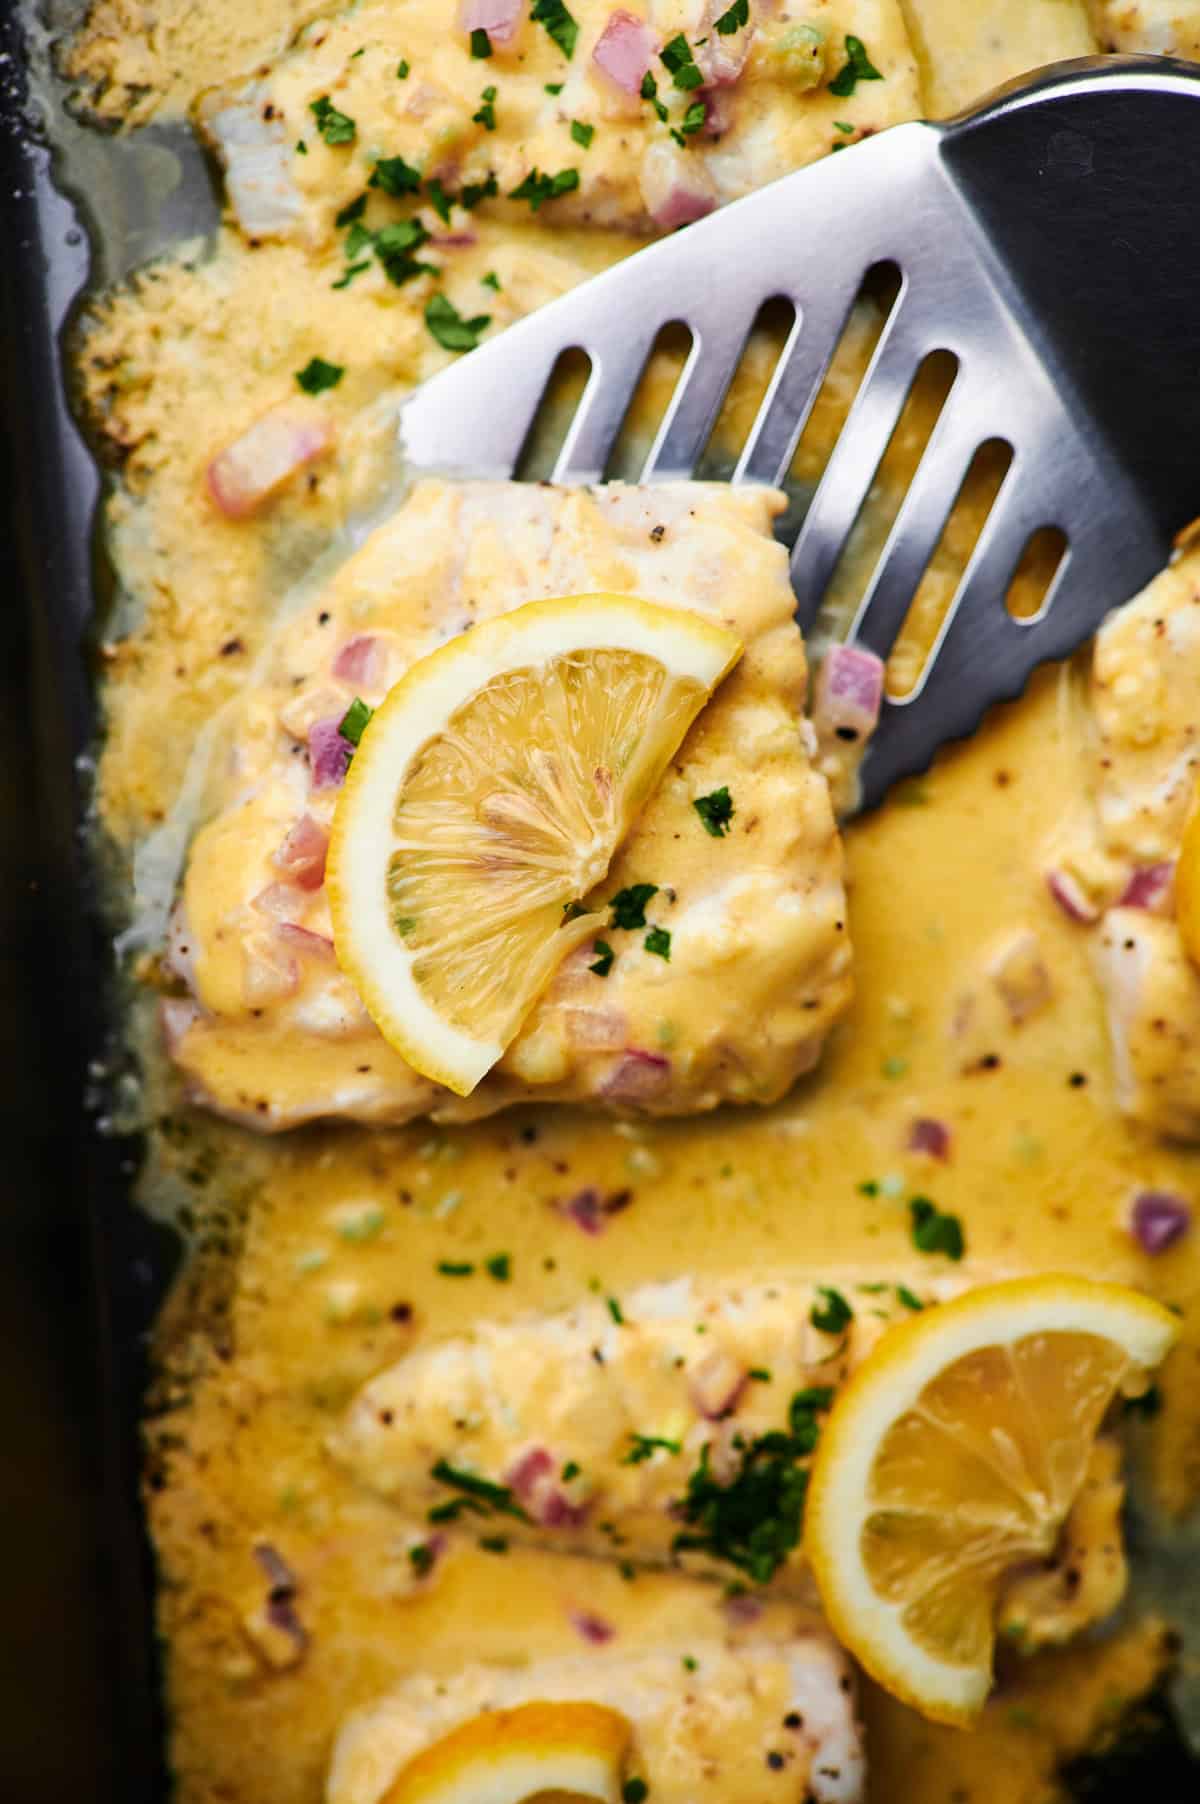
(573,1750)
(952,1457)
(487,796)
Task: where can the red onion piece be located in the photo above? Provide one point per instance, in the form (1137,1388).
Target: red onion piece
(925,1135)
(533,1482)
(636,1077)
(716,1384)
(329,754)
(1149,887)
(718,112)
(1158,1218)
(454,241)
(741,1608)
(499,18)
(625,50)
(280,902)
(597,1029)
(360,662)
(269,972)
(176,1016)
(248,472)
(590,1211)
(849,693)
(279,1574)
(592,1628)
(303,940)
(722,58)
(1071,898)
(302,855)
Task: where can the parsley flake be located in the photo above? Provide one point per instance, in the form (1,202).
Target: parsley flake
(480,1490)
(403,69)
(690,1663)
(833,1314)
(582,134)
(733,20)
(352,270)
(499,1266)
(395,176)
(357,239)
(905,1296)
(537,188)
(554,87)
(486,116)
(439,200)
(491,280)
(716,810)
(694,119)
(760,1374)
(754,1521)
(456,1268)
(570,1470)
(471,193)
(658,941)
(394,246)
(604,958)
(645,1445)
(493,1543)
(559,24)
(301,148)
(634,1791)
(318,375)
(334,127)
(452,331)
(353,209)
(676,57)
(843,125)
(614,1309)
(421,1558)
(649,91)
(857,67)
(481,44)
(629,905)
(934,1232)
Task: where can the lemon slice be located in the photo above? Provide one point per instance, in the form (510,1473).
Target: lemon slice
(505,1756)
(952,1456)
(488,794)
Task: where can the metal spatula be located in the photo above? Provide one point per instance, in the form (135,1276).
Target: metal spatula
(1049,240)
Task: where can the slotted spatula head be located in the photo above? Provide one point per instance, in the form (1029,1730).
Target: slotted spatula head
(1047,240)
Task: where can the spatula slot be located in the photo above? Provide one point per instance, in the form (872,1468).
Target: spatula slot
(649,402)
(750,381)
(1029,594)
(551,422)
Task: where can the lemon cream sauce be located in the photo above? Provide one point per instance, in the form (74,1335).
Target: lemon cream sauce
(972,1072)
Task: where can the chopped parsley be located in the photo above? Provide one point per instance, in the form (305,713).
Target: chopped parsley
(760,1374)
(634,1791)
(491,280)
(421,1558)
(905,1296)
(493,1543)
(716,810)
(456,1268)
(486,116)
(629,905)
(471,193)
(334,127)
(857,67)
(451,330)
(693,120)
(317,375)
(934,1232)
(301,148)
(658,941)
(499,1266)
(394,246)
(559,24)
(676,57)
(604,958)
(537,188)
(614,1309)
(481,44)
(570,1471)
(645,1445)
(353,723)
(403,69)
(894,1067)
(843,125)
(833,1314)
(554,87)
(869,1187)
(353,209)
(357,239)
(439,200)
(649,91)
(395,176)
(582,134)
(481,1491)
(352,270)
(733,20)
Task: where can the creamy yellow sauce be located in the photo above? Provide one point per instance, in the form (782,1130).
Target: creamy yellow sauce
(319,1253)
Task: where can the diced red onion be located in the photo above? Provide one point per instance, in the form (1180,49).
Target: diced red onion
(625,50)
(597,1029)
(248,472)
(361,662)
(676,188)
(636,1077)
(718,112)
(1070,896)
(742,1609)
(1149,887)
(279,1574)
(499,18)
(281,1615)
(269,972)
(454,241)
(593,1628)
(280,901)
(302,855)
(925,1135)
(717,1383)
(1158,1218)
(722,58)
(312,945)
(329,754)
(849,693)
(591,1211)
(176,1017)
(533,1482)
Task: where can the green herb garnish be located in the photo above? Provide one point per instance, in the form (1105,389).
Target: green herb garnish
(403,69)
(471,193)
(570,1471)
(644,1445)
(934,1232)
(537,188)
(352,270)
(421,1558)
(604,958)
(754,1521)
(629,905)
(760,1374)
(491,280)
(634,1791)
(693,120)
(554,87)
(395,176)
(394,247)
(733,20)
(857,67)
(614,1309)
(493,1543)
(558,23)
(481,44)
(448,326)
(716,811)
(353,209)
(906,1296)
(456,1268)
(834,1314)
(353,723)
(486,116)
(480,1490)
(582,134)
(676,57)
(318,375)
(658,941)
(499,1266)
(334,127)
